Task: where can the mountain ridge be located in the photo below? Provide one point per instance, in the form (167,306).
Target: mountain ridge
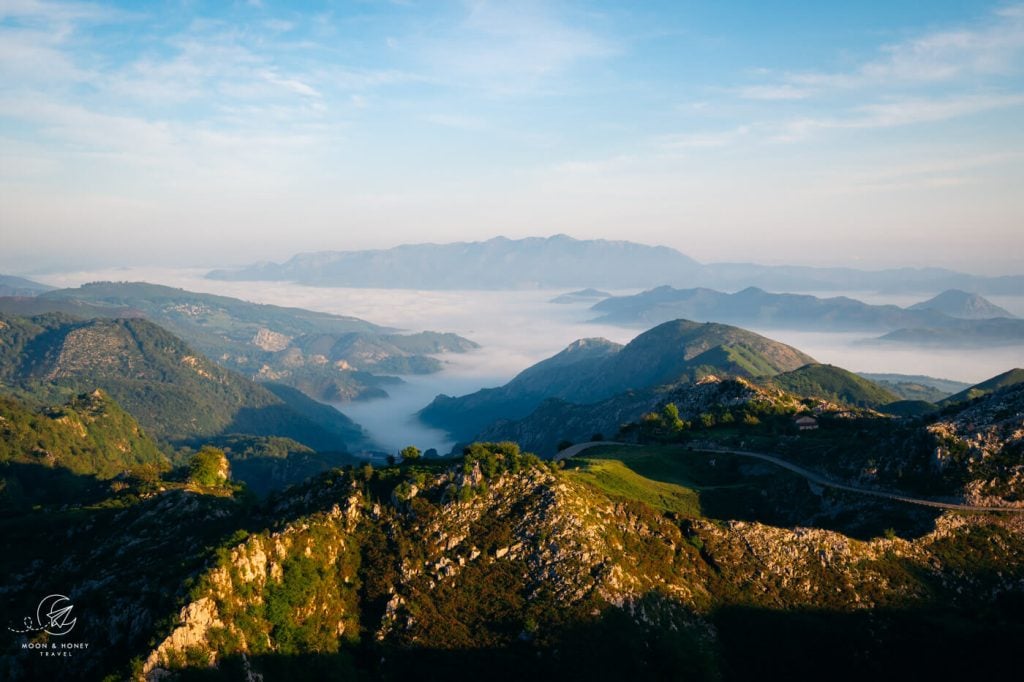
(590,370)
(561,262)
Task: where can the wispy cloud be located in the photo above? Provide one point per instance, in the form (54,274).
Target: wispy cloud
(892,113)
(704,140)
(992,48)
(64,14)
(510,47)
(457,121)
(783,91)
(938,76)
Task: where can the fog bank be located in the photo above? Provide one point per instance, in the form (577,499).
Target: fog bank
(519,328)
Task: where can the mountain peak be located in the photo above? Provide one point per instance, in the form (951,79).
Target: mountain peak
(962,304)
(589,344)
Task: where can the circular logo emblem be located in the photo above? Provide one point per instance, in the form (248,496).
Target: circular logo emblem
(54,615)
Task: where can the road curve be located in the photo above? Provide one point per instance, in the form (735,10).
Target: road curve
(811,476)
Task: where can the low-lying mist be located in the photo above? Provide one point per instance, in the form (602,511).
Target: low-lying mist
(519,328)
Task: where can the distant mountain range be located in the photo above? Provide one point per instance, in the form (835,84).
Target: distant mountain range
(328,357)
(917,387)
(952,318)
(561,261)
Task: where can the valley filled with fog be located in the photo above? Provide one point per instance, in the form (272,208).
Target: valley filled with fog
(519,328)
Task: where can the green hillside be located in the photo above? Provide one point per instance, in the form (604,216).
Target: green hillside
(176,394)
(57,453)
(834,383)
(1010,378)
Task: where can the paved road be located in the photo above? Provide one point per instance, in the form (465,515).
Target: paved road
(813,477)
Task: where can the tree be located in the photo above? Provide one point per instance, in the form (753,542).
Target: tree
(410,453)
(209,467)
(366,471)
(392,460)
(670,417)
(145,474)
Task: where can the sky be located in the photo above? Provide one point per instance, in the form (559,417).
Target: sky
(867,134)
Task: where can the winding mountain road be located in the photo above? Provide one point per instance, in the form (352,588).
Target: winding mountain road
(811,476)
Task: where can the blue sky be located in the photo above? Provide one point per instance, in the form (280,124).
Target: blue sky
(864,134)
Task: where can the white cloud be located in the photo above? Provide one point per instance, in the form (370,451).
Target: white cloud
(292,85)
(993,48)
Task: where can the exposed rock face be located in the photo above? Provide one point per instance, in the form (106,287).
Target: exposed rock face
(985,442)
(269,340)
(197,618)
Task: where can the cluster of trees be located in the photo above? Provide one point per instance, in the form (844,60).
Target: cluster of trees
(667,424)
(497,458)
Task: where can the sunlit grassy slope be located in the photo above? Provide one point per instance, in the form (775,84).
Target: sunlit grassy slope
(694,484)
(619,480)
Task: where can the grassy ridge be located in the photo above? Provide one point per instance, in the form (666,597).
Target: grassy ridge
(690,483)
(715,485)
(618,480)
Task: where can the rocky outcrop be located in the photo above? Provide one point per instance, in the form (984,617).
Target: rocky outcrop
(984,443)
(269,340)
(247,602)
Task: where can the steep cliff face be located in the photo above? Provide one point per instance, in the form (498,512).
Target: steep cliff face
(287,591)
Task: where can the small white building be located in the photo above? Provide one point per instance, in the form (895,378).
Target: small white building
(806,423)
